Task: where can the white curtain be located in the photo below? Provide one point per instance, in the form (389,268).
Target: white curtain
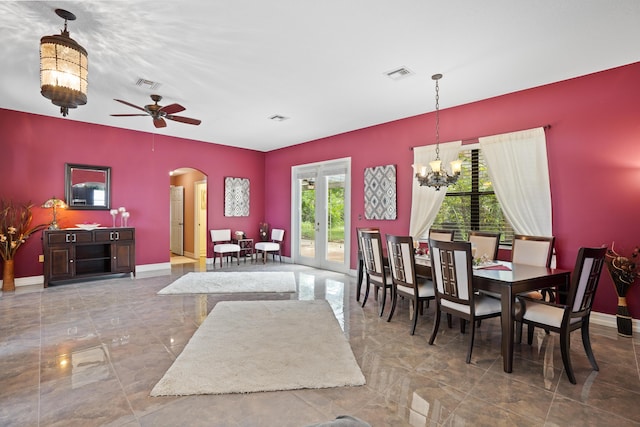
(426,201)
(518,168)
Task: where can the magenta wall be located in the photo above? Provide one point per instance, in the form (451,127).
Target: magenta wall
(593,148)
(34,150)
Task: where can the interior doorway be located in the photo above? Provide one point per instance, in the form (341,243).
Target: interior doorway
(188,228)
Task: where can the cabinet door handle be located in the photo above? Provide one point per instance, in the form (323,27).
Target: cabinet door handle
(117,235)
(70,260)
(67,238)
(74,238)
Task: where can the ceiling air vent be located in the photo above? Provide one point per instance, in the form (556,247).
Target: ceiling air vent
(399,73)
(147,84)
(278,118)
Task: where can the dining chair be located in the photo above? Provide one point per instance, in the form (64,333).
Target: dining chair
(273,247)
(485,244)
(361,271)
(452,271)
(222,245)
(442,235)
(566,318)
(403,276)
(374,266)
(534,250)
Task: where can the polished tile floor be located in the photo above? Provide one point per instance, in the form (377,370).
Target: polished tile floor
(88,354)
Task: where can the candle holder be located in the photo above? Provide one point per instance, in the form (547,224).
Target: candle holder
(125,217)
(114,214)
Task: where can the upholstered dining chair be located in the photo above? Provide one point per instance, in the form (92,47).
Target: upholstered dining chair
(441,235)
(573,315)
(222,246)
(403,276)
(452,272)
(273,247)
(361,271)
(534,250)
(485,243)
(374,266)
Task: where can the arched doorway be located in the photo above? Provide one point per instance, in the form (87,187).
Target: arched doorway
(188,227)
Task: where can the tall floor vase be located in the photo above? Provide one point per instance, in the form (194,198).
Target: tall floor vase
(623,318)
(8,278)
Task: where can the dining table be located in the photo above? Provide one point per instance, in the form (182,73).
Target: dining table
(508,280)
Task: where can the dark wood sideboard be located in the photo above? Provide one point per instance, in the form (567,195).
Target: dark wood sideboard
(75,254)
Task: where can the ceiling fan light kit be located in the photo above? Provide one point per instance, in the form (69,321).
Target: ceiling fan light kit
(159,113)
(63,68)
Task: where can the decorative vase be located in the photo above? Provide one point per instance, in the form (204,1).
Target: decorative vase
(8,279)
(623,318)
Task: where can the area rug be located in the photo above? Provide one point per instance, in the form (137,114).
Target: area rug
(251,346)
(232,282)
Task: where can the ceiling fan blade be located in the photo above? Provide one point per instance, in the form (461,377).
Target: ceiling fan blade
(159,122)
(128,115)
(130,104)
(186,120)
(172,108)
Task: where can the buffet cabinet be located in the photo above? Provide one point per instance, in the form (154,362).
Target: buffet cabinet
(76,254)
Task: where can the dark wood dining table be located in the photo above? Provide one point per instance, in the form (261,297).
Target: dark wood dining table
(508,280)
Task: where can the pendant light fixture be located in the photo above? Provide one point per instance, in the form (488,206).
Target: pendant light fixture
(63,68)
(438,176)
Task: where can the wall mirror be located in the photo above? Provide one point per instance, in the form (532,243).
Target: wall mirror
(88,187)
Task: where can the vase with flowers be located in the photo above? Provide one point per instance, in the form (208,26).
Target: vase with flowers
(624,272)
(264,232)
(15,229)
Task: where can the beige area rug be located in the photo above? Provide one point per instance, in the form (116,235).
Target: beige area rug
(232,282)
(250,346)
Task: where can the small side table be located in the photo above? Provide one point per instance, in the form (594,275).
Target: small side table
(246,248)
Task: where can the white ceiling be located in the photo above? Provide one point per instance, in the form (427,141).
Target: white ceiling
(235,63)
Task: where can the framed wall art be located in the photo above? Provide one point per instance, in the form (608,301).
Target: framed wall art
(236,196)
(380,192)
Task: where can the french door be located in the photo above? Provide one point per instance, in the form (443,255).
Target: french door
(321,212)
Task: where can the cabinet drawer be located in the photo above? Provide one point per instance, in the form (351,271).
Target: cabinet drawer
(58,237)
(113,235)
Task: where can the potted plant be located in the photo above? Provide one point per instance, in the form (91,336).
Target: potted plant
(624,272)
(14,231)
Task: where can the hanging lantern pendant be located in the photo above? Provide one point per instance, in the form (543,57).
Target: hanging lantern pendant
(63,68)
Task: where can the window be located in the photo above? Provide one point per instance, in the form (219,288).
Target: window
(470,204)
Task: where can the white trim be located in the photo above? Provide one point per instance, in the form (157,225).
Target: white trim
(609,320)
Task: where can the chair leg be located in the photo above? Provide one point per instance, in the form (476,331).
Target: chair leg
(565,347)
(463,324)
(384,299)
(530,329)
(238,256)
(394,300)
(359,283)
(436,325)
(366,291)
(472,334)
(415,316)
(586,342)
(449,320)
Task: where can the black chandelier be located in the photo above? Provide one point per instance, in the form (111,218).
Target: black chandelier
(438,176)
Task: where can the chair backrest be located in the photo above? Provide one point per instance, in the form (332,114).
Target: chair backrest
(221,235)
(401,260)
(585,278)
(484,244)
(372,252)
(359,231)
(532,250)
(441,235)
(277,235)
(452,271)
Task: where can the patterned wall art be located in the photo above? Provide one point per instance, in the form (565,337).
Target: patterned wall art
(236,196)
(380,192)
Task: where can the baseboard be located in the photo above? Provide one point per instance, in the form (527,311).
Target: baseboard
(610,321)
(189,255)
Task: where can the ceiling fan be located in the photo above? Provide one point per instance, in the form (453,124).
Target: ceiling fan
(159,113)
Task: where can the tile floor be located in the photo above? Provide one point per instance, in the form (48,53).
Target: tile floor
(88,354)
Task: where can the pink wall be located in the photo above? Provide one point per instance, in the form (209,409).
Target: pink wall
(593,149)
(34,150)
